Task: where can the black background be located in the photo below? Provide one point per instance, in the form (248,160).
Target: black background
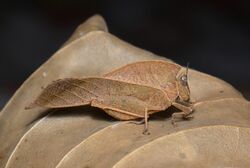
(213,36)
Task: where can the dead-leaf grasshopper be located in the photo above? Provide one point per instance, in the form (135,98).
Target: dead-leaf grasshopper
(133,91)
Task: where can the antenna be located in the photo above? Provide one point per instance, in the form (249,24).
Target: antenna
(187,68)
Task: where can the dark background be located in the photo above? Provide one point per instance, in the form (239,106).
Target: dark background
(213,36)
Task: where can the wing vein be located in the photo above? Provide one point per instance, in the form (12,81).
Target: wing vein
(78,86)
(75,94)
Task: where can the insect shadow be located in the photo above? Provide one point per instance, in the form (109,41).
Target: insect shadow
(81,111)
(40,116)
(164,115)
(96,114)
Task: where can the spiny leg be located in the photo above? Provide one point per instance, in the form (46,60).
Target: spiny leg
(185,114)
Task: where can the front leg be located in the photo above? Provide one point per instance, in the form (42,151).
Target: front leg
(185,114)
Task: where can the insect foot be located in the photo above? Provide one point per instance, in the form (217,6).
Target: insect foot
(184,115)
(146,132)
(189,117)
(143,121)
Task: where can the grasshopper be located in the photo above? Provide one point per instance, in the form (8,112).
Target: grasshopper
(130,92)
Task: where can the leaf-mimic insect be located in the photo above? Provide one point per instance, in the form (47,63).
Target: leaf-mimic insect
(133,91)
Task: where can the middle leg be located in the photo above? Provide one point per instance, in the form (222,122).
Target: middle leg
(143,121)
(145,131)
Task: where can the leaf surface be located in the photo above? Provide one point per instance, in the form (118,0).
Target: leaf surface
(224,146)
(122,139)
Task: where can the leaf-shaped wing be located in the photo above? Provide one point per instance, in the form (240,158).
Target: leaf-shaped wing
(110,95)
(157,74)
(66,93)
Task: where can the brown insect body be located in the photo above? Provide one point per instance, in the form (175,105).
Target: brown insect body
(127,93)
(162,75)
(166,76)
(128,100)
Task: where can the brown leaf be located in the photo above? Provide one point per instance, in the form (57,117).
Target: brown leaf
(63,129)
(95,23)
(120,140)
(223,146)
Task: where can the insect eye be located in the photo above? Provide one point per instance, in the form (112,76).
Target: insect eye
(184,79)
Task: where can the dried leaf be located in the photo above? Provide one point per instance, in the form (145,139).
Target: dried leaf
(56,134)
(224,146)
(95,23)
(119,140)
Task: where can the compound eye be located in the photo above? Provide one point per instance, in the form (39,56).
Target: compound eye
(184,80)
